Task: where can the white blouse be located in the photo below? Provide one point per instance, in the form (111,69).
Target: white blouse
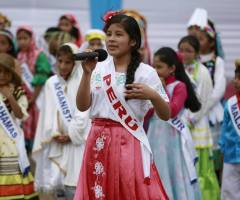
(144,74)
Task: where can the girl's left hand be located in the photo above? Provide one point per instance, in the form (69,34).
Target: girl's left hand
(6,91)
(139,91)
(62,139)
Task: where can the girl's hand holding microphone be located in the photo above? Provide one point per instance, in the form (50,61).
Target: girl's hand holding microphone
(89,65)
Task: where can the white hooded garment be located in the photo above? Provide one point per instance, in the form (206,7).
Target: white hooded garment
(59,164)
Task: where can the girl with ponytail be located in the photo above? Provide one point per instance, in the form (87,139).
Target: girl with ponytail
(166,140)
(117,161)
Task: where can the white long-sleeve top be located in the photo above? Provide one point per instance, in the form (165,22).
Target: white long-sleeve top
(214,105)
(203,88)
(202,82)
(144,74)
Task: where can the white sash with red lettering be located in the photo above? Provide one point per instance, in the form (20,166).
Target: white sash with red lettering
(8,125)
(234,113)
(188,148)
(61,100)
(125,116)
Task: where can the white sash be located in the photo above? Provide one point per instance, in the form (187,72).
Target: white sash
(61,100)
(188,148)
(125,116)
(27,76)
(9,127)
(234,113)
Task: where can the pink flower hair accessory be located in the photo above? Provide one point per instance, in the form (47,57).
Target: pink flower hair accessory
(110,14)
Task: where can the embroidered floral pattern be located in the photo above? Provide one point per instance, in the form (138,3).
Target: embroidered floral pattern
(96,80)
(120,79)
(100,143)
(98,191)
(99,168)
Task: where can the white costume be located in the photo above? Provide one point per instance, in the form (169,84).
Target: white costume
(202,84)
(218,89)
(56,162)
(219,84)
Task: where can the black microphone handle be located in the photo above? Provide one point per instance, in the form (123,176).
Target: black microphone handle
(85,55)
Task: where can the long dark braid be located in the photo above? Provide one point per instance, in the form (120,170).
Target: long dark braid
(132,67)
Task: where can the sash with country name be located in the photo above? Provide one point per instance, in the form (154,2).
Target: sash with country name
(188,148)
(234,113)
(10,129)
(27,76)
(61,100)
(125,116)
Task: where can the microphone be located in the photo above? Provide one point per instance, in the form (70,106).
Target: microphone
(101,54)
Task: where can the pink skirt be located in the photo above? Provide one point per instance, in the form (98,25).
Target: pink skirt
(112,167)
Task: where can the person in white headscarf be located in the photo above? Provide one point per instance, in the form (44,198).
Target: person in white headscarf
(197,21)
(211,56)
(60,137)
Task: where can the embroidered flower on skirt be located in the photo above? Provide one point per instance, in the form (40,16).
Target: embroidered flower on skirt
(100,143)
(98,191)
(99,168)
